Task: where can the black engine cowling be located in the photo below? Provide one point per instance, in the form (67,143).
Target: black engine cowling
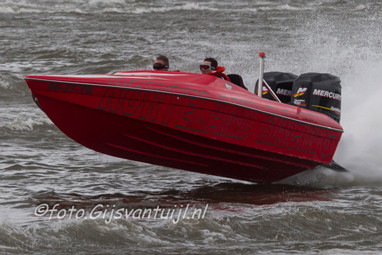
(320,92)
(281,84)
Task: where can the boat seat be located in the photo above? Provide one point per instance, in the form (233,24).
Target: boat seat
(236,79)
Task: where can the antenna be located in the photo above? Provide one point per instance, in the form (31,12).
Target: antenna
(261,76)
(264,83)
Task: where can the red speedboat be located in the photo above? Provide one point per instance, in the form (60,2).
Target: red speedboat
(193,122)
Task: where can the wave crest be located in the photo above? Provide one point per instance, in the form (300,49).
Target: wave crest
(20,124)
(98,6)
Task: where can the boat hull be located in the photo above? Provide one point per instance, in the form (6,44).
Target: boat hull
(187,122)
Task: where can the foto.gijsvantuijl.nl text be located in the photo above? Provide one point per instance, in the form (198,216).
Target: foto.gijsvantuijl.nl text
(111,212)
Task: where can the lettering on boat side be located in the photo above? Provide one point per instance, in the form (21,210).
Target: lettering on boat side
(182,110)
(185,109)
(70,87)
(295,136)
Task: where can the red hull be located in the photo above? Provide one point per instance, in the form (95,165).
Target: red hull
(187,121)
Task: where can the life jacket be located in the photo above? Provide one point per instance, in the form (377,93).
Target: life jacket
(219,73)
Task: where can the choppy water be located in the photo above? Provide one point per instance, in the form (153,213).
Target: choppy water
(327,213)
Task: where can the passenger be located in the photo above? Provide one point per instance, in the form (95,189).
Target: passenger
(161,63)
(210,66)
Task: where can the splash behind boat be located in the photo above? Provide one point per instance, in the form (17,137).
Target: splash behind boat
(192,122)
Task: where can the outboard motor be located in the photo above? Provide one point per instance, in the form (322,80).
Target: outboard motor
(320,92)
(281,84)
